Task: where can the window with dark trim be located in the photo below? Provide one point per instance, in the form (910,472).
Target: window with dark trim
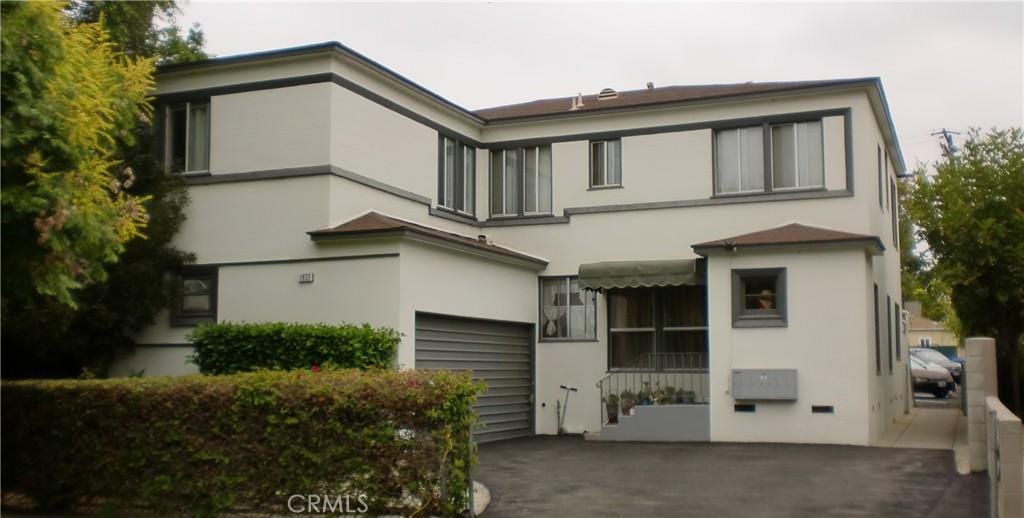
(567,312)
(881,179)
(187,137)
(899,339)
(759,297)
(658,327)
(769,157)
(456,177)
(521,181)
(195,294)
(878,338)
(888,318)
(606,163)
(894,200)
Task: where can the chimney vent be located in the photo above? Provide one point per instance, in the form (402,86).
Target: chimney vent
(607,93)
(650,85)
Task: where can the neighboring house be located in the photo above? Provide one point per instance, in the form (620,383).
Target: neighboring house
(735,242)
(924,332)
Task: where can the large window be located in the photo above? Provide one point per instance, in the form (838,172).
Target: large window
(759,297)
(606,163)
(566,311)
(187,137)
(521,181)
(769,157)
(456,176)
(669,324)
(195,297)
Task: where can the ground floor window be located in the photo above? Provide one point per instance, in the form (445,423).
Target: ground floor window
(195,297)
(759,297)
(661,328)
(567,311)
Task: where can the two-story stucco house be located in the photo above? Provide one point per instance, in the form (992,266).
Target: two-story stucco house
(728,251)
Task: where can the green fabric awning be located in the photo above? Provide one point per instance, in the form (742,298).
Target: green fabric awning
(642,274)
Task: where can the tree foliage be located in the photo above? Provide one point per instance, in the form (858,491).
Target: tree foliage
(43,336)
(69,102)
(971,214)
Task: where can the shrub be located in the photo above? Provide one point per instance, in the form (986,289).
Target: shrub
(228,348)
(206,444)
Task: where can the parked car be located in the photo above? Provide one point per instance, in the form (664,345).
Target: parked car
(933,356)
(931,378)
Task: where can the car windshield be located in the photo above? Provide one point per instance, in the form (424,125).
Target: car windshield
(930,355)
(917,364)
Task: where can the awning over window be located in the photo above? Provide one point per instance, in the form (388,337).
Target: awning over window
(642,274)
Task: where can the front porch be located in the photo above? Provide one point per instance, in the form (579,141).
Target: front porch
(657,397)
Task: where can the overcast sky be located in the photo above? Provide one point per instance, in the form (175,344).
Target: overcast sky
(952,65)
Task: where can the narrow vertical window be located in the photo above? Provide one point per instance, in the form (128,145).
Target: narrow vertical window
(881,180)
(894,200)
(888,334)
(878,338)
(899,337)
(606,163)
(187,137)
(456,175)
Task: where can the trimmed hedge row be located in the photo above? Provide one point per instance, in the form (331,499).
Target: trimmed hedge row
(227,348)
(397,441)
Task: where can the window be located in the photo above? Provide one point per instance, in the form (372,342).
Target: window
(798,160)
(881,179)
(456,176)
(888,334)
(195,297)
(899,337)
(657,327)
(606,163)
(759,297)
(739,160)
(925,342)
(894,214)
(878,338)
(769,157)
(567,312)
(521,181)
(187,137)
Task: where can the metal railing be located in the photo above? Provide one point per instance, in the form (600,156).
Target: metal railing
(654,379)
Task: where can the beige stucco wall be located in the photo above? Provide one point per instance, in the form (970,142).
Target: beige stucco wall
(824,340)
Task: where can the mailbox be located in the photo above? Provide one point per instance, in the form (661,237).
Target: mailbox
(764,384)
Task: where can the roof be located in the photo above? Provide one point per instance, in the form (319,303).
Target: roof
(652,96)
(377,224)
(559,106)
(789,235)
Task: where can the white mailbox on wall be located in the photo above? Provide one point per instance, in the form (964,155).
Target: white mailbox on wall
(764,384)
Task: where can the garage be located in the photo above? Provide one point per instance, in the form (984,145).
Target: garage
(499,353)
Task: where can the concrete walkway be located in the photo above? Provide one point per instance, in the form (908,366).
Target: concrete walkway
(923,428)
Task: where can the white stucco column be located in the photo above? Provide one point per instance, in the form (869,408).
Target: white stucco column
(981,383)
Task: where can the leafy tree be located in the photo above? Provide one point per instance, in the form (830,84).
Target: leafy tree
(69,102)
(45,338)
(971,214)
(135,26)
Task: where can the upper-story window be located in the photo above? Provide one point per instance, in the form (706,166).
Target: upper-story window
(521,181)
(769,157)
(187,137)
(606,163)
(456,176)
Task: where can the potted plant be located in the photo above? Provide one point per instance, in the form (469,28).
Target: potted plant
(686,396)
(611,406)
(627,401)
(665,395)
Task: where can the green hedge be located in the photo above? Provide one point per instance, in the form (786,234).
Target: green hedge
(228,348)
(205,444)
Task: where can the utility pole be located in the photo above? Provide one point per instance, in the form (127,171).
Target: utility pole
(948,146)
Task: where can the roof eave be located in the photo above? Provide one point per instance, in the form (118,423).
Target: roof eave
(873,245)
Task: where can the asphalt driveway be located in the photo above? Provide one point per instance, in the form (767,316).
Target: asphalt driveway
(567,476)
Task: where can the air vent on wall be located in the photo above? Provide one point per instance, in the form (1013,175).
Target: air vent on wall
(607,93)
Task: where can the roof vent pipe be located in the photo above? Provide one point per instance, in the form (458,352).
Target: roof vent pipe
(650,85)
